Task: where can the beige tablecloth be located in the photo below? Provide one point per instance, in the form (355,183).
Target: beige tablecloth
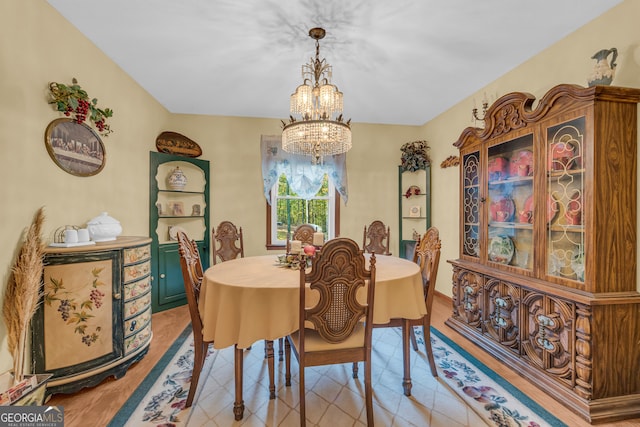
(251,299)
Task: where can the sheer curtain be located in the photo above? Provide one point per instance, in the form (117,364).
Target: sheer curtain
(303,177)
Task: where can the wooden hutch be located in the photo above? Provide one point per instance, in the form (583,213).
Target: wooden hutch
(546,278)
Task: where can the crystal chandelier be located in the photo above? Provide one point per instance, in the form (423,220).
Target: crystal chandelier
(314,133)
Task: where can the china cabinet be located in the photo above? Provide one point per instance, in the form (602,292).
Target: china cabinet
(414,207)
(178,201)
(546,277)
(95,317)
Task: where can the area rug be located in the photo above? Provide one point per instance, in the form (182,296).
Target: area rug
(487,393)
(160,399)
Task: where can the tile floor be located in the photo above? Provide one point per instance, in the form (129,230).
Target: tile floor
(334,398)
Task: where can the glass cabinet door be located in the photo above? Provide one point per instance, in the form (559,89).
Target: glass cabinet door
(510,203)
(565,191)
(471,211)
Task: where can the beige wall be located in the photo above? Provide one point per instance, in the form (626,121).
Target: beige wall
(38,46)
(232,145)
(567,61)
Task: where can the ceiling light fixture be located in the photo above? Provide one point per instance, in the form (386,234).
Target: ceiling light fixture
(314,133)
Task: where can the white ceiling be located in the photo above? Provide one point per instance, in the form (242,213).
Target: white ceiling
(397,62)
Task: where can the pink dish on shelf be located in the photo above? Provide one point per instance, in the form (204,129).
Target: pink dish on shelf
(502,210)
(552,207)
(522,163)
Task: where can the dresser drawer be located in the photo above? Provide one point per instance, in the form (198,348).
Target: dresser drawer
(135,289)
(136,271)
(134,255)
(136,341)
(136,306)
(137,323)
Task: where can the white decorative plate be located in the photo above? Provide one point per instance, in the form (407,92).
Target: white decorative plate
(173,231)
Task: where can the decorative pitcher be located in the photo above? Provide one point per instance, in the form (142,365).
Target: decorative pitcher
(603,72)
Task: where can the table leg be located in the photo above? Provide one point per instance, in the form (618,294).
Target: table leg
(406,354)
(238,405)
(272,384)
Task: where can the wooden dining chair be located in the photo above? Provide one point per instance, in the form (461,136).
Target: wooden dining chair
(192,275)
(427,256)
(304,233)
(338,334)
(376,238)
(227,242)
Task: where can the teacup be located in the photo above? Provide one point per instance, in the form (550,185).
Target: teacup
(574,217)
(523,170)
(562,163)
(525,216)
(83,235)
(502,216)
(71,236)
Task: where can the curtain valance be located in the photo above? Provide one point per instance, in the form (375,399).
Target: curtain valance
(304,178)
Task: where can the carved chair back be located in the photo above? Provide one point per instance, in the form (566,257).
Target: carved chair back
(228,243)
(304,233)
(337,272)
(376,238)
(192,275)
(427,256)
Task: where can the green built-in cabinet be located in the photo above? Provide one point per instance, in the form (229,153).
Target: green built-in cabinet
(171,210)
(414,211)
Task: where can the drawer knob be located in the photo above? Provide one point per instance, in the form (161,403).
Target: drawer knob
(117,296)
(162,276)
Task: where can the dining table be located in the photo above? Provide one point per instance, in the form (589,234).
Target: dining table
(249,299)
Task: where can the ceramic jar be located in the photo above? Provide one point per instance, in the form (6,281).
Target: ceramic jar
(177,179)
(104,228)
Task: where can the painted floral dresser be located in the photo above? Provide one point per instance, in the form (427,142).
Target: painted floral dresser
(95,316)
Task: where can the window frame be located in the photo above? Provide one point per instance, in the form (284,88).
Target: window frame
(335,201)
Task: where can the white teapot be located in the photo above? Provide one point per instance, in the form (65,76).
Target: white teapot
(104,228)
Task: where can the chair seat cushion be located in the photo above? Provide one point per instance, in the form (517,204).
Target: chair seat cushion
(314,342)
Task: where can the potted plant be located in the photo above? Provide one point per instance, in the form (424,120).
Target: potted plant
(414,156)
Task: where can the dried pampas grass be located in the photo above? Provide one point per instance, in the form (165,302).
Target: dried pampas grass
(23,294)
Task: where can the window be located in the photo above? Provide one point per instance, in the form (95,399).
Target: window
(287,211)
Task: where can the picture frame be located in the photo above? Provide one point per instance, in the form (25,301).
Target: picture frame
(195,210)
(75,147)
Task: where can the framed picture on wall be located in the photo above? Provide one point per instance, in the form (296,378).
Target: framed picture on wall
(75,147)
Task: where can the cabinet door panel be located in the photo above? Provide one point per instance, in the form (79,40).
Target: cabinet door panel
(502,308)
(510,203)
(548,335)
(471,205)
(81,312)
(469,299)
(170,285)
(565,201)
